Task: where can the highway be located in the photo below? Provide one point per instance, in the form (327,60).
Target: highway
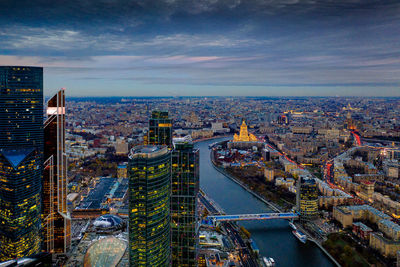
(207,204)
(244,253)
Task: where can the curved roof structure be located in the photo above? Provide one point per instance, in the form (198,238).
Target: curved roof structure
(108,221)
(105,252)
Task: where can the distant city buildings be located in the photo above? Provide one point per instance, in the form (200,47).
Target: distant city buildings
(21,161)
(122,171)
(121,147)
(316,142)
(149,173)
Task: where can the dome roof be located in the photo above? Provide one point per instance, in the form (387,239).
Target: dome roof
(105,252)
(108,221)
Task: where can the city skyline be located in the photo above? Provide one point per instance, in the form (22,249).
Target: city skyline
(116,181)
(207,48)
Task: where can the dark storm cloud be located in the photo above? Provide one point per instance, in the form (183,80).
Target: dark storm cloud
(295,43)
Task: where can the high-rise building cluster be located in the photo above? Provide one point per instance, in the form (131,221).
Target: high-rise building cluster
(33,190)
(163,189)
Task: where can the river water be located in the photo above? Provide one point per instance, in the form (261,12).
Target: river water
(273,238)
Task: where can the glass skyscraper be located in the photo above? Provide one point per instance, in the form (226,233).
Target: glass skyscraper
(184,191)
(307,198)
(149,171)
(160,129)
(56,221)
(21,160)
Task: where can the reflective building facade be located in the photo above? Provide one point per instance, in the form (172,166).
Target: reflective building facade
(184,191)
(21,161)
(160,129)
(307,195)
(149,171)
(56,221)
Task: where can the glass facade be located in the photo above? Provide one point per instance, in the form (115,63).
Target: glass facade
(105,252)
(149,171)
(308,198)
(21,160)
(184,191)
(160,129)
(56,222)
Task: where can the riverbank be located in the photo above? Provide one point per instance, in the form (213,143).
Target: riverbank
(274,237)
(244,186)
(237,235)
(211,138)
(273,206)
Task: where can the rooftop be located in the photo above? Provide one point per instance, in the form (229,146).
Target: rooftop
(390,224)
(108,221)
(149,151)
(105,252)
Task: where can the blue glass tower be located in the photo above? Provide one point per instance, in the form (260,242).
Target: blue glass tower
(21,160)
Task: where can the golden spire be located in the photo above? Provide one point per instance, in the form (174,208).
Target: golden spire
(244,135)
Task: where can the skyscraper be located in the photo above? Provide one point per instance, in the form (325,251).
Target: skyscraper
(307,198)
(21,160)
(149,171)
(56,221)
(184,191)
(160,129)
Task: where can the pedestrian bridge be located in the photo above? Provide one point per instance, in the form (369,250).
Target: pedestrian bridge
(251,217)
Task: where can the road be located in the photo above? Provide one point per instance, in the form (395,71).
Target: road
(244,252)
(208,205)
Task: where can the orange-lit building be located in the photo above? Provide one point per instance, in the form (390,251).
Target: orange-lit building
(56,221)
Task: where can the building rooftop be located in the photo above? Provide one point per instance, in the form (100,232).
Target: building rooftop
(108,221)
(16,156)
(149,151)
(391,225)
(363,227)
(105,252)
(368,208)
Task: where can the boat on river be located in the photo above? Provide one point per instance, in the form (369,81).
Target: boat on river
(300,236)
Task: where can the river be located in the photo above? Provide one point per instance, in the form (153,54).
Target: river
(273,238)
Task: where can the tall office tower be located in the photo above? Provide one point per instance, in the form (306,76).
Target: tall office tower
(160,129)
(184,191)
(149,171)
(21,160)
(283,119)
(56,221)
(307,198)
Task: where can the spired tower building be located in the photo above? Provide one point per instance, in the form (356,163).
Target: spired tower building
(56,220)
(21,160)
(244,135)
(149,171)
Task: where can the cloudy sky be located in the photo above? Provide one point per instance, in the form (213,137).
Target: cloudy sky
(207,47)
